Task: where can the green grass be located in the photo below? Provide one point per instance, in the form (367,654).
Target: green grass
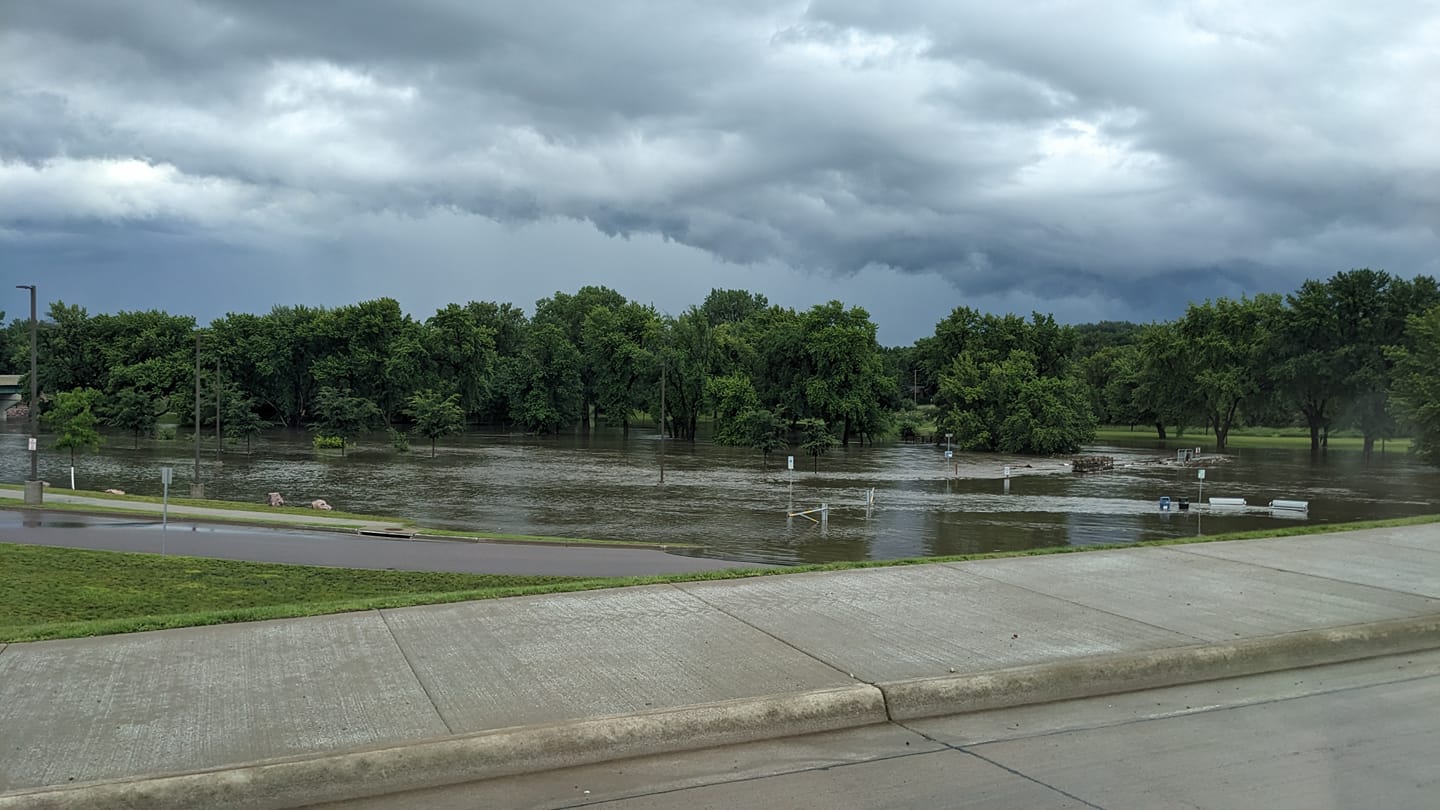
(1248,437)
(68,593)
(54,592)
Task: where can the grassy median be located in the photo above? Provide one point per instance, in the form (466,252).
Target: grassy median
(66,593)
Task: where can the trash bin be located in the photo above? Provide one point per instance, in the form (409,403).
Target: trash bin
(1165,503)
(1184,505)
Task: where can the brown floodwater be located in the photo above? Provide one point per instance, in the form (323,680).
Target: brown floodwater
(607,486)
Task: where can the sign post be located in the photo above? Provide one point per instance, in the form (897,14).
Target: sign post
(165,475)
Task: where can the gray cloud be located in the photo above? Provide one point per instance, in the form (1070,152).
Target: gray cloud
(1099,159)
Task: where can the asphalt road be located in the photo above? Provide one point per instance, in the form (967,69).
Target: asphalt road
(341,550)
(1362,734)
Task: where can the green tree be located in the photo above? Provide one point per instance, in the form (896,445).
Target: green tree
(71,416)
(616,342)
(342,414)
(241,420)
(436,415)
(1372,310)
(815,439)
(1007,406)
(732,306)
(568,314)
(1231,343)
(1165,394)
(1309,370)
(374,350)
(763,430)
(1113,376)
(685,351)
(1416,382)
(461,351)
(543,383)
(733,397)
(132,410)
(846,383)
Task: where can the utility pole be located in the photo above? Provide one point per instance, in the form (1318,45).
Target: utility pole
(197,487)
(218,444)
(34,490)
(662,419)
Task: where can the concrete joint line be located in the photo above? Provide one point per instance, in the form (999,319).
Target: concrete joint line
(1137,671)
(404,656)
(466,758)
(1048,595)
(812,656)
(1181,550)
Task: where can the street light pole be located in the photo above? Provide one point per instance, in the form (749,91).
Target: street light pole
(34,490)
(218,443)
(197,487)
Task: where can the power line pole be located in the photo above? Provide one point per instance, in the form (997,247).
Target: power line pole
(197,487)
(662,419)
(34,490)
(218,444)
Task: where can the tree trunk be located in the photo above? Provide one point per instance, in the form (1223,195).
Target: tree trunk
(845,433)
(1160,430)
(1369,447)
(585,416)
(1314,437)
(432,447)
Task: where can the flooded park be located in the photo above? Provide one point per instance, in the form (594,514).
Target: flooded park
(607,486)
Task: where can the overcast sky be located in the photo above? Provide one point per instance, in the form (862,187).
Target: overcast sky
(1096,160)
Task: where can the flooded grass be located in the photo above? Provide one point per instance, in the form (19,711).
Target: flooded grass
(725,502)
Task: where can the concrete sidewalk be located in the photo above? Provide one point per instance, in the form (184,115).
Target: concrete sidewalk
(275,714)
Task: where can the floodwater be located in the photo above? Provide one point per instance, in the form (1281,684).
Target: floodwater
(608,486)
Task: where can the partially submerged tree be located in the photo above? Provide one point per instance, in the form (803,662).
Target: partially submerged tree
(815,439)
(436,415)
(342,414)
(71,415)
(1417,382)
(763,430)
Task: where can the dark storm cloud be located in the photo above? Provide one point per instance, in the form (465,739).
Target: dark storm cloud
(1130,153)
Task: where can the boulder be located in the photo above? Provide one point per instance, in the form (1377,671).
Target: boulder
(274,499)
(320,504)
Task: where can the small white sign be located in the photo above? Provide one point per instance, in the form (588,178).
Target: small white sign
(949,454)
(32,444)
(789,462)
(165,475)
(1202,475)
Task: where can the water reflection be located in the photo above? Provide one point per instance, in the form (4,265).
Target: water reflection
(606,486)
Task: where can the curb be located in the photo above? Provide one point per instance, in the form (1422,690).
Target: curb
(364,773)
(353,775)
(1133,672)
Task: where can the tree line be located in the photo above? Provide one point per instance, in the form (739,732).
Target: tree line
(1358,350)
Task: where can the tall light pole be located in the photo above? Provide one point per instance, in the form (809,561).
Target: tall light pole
(34,490)
(197,487)
(218,443)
